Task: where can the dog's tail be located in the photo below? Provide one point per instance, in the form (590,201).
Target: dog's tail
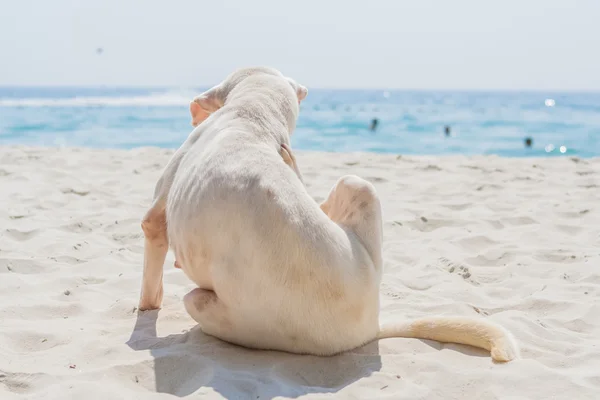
(474,332)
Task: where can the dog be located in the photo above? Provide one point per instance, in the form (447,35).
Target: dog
(275,270)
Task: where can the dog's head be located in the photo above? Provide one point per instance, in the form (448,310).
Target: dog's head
(213,99)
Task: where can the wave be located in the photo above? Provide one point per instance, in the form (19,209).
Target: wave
(153,99)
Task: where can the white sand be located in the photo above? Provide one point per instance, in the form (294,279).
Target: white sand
(516,240)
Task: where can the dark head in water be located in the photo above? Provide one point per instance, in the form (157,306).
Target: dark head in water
(374,124)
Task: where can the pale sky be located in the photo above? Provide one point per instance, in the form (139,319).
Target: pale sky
(417,44)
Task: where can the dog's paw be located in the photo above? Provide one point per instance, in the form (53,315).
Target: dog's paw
(290,160)
(150,302)
(147,306)
(288,156)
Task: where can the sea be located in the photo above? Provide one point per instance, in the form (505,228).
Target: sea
(408,122)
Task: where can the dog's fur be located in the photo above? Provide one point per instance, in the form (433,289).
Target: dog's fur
(274,270)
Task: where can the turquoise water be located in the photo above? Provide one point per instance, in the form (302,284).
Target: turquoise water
(560,124)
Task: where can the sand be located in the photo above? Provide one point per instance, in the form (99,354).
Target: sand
(513,240)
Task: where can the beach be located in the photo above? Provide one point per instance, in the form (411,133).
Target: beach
(515,240)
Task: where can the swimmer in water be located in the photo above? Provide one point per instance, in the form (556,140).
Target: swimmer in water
(374,124)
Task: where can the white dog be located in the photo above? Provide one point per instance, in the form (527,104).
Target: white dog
(274,270)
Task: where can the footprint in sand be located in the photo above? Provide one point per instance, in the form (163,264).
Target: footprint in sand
(458,269)
(22,266)
(21,235)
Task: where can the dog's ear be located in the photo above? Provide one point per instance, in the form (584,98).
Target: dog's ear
(300,90)
(205,104)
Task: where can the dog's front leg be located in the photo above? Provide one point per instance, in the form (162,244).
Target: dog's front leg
(156,241)
(156,245)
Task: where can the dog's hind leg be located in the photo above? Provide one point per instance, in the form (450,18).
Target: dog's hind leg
(205,307)
(354,204)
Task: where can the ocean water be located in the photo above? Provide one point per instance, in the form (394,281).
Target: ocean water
(410,122)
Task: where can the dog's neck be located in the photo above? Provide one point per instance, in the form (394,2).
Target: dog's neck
(268,103)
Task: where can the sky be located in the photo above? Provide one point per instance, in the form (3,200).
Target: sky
(395,44)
